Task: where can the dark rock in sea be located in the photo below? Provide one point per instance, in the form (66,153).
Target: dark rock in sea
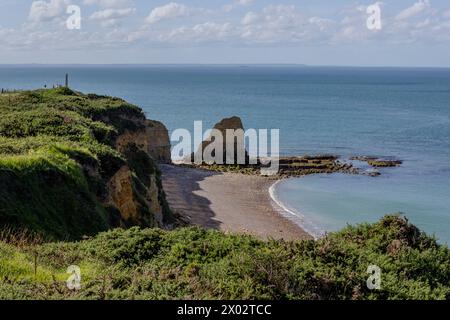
(288,166)
(384,163)
(363,158)
(239,155)
(373,173)
(378,162)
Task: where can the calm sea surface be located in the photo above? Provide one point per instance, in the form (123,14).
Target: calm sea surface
(386,112)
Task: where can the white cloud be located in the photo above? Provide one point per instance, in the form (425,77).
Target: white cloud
(276,24)
(250,18)
(281,16)
(414,10)
(350,26)
(110,17)
(168,11)
(108,14)
(236,4)
(199,33)
(109,3)
(423,24)
(272,25)
(47,11)
(322,23)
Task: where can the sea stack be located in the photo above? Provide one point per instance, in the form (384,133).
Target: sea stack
(236,144)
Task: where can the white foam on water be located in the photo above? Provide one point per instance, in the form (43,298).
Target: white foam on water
(294,215)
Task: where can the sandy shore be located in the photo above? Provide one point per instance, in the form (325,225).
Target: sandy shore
(229,202)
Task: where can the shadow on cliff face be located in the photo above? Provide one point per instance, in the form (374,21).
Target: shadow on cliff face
(182,186)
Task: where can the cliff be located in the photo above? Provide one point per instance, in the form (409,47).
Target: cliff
(151,137)
(73,164)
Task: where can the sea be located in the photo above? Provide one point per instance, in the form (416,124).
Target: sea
(395,113)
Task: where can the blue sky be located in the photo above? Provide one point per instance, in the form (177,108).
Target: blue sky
(313,32)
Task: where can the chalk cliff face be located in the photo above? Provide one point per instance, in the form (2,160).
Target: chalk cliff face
(158,142)
(121,194)
(135,190)
(149,136)
(136,207)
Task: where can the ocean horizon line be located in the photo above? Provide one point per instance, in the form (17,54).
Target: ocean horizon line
(243,65)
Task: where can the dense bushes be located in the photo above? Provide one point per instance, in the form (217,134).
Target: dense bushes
(57,152)
(197,264)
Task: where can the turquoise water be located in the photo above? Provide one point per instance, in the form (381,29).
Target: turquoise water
(387,112)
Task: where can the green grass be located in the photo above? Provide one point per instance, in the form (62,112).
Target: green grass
(193,263)
(57,153)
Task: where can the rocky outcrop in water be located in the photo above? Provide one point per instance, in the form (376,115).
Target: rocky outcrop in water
(236,143)
(288,166)
(378,163)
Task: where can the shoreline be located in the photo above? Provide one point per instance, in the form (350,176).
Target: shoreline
(230,202)
(295,216)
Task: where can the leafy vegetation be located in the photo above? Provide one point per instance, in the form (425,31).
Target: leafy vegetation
(57,152)
(193,263)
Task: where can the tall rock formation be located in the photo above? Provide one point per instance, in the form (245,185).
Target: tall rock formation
(232,146)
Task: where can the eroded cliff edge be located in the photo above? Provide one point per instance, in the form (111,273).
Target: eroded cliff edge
(73,164)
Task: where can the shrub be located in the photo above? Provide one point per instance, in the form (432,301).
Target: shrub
(193,263)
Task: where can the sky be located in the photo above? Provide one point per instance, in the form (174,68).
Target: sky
(312,32)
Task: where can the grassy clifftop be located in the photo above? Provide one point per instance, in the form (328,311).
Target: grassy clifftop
(57,155)
(197,264)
